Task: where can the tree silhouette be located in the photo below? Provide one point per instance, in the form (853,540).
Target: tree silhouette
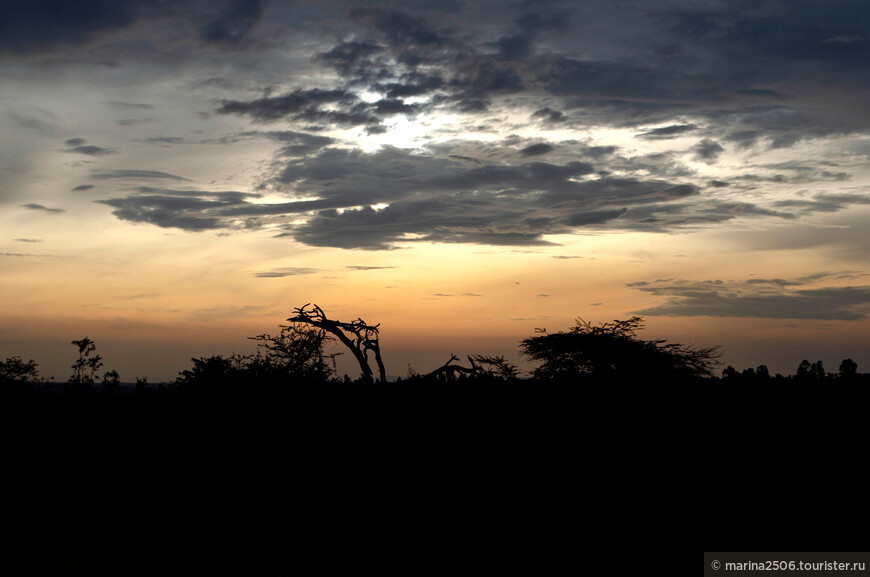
(848,369)
(87,364)
(216,372)
(111,382)
(15,370)
(297,351)
(612,350)
(481,365)
(450,370)
(358,336)
(495,366)
(804,370)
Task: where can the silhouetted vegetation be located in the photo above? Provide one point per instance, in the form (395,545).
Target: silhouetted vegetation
(612,351)
(86,366)
(14,370)
(358,336)
(218,471)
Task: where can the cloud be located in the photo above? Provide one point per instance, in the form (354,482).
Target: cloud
(83,187)
(79,146)
(129,105)
(549,115)
(286,271)
(725,78)
(398,27)
(300,103)
(236,19)
(529,27)
(41,25)
(348,198)
(537,149)
(665,132)
(708,150)
(184,209)
(757,298)
(164,140)
(29,240)
(34,206)
(298,143)
(360,268)
(38,23)
(132,174)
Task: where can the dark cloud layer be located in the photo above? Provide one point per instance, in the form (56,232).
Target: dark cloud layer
(43,24)
(352,199)
(37,23)
(234,21)
(670,61)
(757,298)
(721,79)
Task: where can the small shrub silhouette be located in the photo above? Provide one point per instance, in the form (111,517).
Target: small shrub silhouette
(86,366)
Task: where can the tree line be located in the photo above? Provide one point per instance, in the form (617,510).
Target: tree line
(586,351)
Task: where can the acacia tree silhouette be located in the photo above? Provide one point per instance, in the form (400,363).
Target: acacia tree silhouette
(613,350)
(358,336)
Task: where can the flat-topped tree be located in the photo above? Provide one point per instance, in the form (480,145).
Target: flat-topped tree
(612,350)
(358,336)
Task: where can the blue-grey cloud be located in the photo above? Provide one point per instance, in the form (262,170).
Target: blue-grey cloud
(528,27)
(80,146)
(757,298)
(187,210)
(35,206)
(549,115)
(537,149)
(235,20)
(666,132)
(132,175)
(353,199)
(38,23)
(708,150)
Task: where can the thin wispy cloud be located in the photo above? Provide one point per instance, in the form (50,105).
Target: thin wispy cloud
(286,271)
(39,207)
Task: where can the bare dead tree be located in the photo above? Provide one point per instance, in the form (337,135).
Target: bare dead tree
(358,336)
(450,370)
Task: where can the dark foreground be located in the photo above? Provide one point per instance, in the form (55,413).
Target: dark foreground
(248,481)
(251,480)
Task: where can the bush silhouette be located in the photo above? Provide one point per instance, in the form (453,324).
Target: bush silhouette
(15,370)
(86,366)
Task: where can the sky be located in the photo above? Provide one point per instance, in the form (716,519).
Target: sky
(178,176)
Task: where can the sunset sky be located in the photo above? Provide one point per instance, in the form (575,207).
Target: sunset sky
(177,176)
